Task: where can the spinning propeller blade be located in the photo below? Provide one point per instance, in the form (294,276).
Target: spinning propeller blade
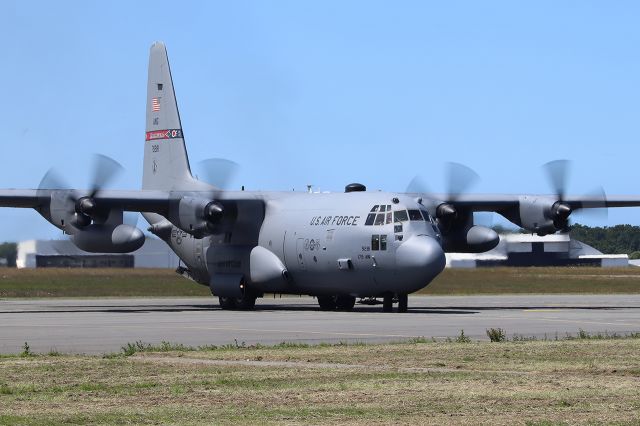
(218,171)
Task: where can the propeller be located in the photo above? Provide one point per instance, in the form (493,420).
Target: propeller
(557,173)
(595,206)
(80,208)
(218,171)
(105,170)
(459,178)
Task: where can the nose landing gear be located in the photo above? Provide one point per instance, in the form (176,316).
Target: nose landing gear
(389,299)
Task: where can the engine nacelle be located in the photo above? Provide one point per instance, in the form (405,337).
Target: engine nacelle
(476,239)
(540,214)
(200,216)
(97,238)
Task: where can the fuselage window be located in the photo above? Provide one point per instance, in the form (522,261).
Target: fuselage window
(380,219)
(400,216)
(370,218)
(375,242)
(389,217)
(415,215)
(375,208)
(378,242)
(383,208)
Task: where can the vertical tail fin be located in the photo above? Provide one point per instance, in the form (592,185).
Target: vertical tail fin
(166,165)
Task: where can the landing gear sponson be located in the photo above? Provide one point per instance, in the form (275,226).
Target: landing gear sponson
(346,303)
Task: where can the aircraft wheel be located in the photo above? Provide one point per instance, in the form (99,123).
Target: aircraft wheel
(245,303)
(327,303)
(403,302)
(345,303)
(227,302)
(387,303)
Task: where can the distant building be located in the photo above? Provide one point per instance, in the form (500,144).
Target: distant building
(532,250)
(513,250)
(62,253)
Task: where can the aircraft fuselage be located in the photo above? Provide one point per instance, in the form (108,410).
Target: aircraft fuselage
(338,243)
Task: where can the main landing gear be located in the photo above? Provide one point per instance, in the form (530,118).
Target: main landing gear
(346,303)
(245,303)
(340,302)
(402,299)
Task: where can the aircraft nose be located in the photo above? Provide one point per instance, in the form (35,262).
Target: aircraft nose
(422,258)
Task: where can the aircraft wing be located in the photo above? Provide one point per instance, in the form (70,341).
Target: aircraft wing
(542,214)
(137,201)
(498,202)
(25,198)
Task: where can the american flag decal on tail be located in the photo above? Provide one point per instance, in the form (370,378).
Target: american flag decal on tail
(155,104)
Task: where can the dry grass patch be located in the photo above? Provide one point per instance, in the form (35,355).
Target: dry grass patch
(578,381)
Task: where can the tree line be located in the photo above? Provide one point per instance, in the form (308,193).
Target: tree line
(617,239)
(9,251)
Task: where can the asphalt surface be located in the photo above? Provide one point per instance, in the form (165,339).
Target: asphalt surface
(97,326)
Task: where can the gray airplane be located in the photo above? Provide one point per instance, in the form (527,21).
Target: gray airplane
(243,244)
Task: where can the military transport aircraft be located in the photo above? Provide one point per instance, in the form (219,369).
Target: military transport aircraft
(243,244)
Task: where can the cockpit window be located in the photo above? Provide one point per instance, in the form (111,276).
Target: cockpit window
(381,214)
(400,216)
(415,215)
(370,218)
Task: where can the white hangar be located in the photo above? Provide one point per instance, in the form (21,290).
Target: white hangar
(62,253)
(533,250)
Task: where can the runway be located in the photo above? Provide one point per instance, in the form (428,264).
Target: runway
(97,326)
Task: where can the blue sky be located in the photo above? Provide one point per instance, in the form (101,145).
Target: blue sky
(328,93)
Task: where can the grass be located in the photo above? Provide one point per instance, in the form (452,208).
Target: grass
(53,282)
(536,280)
(61,282)
(583,380)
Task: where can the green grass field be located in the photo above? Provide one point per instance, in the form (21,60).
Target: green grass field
(61,282)
(581,381)
(536,280)
(166,283)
